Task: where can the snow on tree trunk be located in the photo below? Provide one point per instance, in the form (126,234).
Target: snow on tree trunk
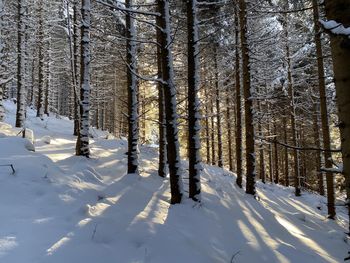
(194,116)
(339,10)
(229,127)
(76,94)
(324,113)
(248,103)
(173,151)
(82,146)
(292,110)
(217,104)
(2,66)
(133,118)
(21,89)
(238,133)
(161,109)
(40,105)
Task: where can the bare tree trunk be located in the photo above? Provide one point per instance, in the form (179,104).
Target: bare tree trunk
(217,104)
(82,146)
(21,89)
(276,154)
(324,113)
(248,103)
(339,11)
(318,153)
(292,111)
(40,105)
(207,133)
(173,151)
(229,128)
(261,152)
(75,66)
(2,66)
(212,132)
(286,156)
(161,110)
(133,118)
(238,103)
(194,118)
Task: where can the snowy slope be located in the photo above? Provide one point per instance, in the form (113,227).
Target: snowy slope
(62,208)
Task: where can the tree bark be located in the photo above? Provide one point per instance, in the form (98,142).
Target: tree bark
(324,112)
(194,118)
(82,147)
(21,105)
(40,105)
(133,118)
(248,103)
(173,152)
(339,10)
(161,109)
(238,133)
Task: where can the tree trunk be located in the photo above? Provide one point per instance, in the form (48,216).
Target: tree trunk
(261,151)
(161,110)
(133,118)
(75,67)
(318,171)
(207,133)
(194,118)
(248,103)
(40,105)
(292,111)
(21,105)
(173,151)
(2,66)
(229,128)
(217,104)
(238,103)
(324,112)
(286,156)
(212,133)
(82,147)
(276,155)
(339,10)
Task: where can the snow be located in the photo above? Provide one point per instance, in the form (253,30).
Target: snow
(58,207)
(336,28)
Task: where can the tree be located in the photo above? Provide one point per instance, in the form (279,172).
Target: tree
(338,12)
(21,88)
(82,146)
(238,133)
(324,112)
(133,131)
(41,95)
(248,103)
(193,102)
(2,62)
(173,151)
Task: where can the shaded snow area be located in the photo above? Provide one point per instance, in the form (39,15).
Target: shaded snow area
(61,208)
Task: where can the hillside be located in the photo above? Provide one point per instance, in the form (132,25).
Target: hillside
(61,208)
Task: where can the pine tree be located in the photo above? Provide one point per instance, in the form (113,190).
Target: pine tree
(324,112)
(248,103)
(21,61)
(133,119)
(339,11)
(82,146)
(194,117)
(173,151)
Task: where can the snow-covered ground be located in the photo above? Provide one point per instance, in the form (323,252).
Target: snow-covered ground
(61,208)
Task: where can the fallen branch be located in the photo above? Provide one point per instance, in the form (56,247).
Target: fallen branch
(10,165)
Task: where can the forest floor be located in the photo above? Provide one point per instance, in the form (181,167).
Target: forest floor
(58,208)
